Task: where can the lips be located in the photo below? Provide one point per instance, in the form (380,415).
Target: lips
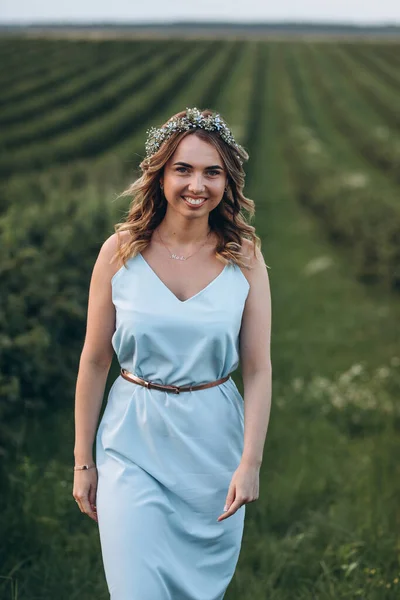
(186,199)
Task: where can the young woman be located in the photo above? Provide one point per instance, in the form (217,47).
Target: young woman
(180,292)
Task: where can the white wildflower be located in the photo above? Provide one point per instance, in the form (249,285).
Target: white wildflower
(381,132)
(345,378)
(382,372)
(297,384)
(356,369)
(313,146)
(316,265)
(338,401)
(355,180)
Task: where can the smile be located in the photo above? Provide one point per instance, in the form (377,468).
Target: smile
(193,201)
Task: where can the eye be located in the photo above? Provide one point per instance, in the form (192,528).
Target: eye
(212,172)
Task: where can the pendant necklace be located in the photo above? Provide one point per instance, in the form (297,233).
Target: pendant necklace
(176,256)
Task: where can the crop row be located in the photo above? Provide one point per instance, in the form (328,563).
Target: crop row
(240,97)
(381,97)
(354,211)
(59,66)
(317,115)
(87,82)
(17,61)
(376,142)
(109,169)
(96,136)
(202,89)
(343,152)
(388,53)
(20,71)
(256,104)
(344,149)
(107,94)
(19,50)
(377,65)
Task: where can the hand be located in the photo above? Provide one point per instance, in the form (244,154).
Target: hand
(244,488)
(84,492)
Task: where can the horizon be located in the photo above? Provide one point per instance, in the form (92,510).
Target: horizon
(349,12)
(188,21)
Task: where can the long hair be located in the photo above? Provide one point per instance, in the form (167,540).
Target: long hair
(149,205)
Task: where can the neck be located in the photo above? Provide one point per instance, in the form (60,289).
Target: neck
(181,233)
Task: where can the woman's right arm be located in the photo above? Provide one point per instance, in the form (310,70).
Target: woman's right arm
(94,365)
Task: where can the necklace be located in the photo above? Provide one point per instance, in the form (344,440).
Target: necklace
(176,256)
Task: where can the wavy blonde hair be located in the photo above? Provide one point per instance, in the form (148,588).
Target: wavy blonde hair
(148,205)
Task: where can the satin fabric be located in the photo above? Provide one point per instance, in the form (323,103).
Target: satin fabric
(165,460)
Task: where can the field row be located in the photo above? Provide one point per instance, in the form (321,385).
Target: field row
(357,206)
(48,109)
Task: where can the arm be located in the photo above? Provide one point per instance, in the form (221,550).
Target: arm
(97,353)
(255,339)
(254,342)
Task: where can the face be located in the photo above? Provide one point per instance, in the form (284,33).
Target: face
(195,171)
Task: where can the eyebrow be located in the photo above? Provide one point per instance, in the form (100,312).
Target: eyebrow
(187,165)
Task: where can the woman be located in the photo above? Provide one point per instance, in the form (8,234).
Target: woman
(178,450)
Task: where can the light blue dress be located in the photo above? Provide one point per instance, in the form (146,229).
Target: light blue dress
(165,460)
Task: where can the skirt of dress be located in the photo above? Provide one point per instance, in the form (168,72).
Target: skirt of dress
(165,463)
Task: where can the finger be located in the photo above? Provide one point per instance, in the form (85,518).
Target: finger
(88,509)
(92,498)
(230,497)
(233,508)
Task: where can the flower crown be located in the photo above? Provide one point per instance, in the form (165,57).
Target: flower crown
(193,119)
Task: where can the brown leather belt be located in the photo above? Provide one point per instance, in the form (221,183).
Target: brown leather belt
(170,388)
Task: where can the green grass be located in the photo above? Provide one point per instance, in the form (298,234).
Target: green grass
(326,525)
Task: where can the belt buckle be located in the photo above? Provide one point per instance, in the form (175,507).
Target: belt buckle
(174,388)
(160,386)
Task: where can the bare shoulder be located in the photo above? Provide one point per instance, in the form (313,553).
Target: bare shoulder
(101,310)
(108,250)
(251,252)
(254,258)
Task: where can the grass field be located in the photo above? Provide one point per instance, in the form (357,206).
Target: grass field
(321,124)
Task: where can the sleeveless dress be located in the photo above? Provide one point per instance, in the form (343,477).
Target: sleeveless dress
(165,460)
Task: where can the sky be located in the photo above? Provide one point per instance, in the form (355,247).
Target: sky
(120,11)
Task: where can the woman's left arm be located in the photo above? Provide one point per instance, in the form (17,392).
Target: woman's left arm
(255,360)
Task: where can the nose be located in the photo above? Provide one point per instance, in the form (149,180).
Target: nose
(196,185)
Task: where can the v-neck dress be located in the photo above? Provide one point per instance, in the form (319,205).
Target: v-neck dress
(165,460)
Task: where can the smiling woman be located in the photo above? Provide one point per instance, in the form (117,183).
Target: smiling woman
(176,459)
(192,157)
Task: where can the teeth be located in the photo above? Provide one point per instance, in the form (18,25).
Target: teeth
(193,201)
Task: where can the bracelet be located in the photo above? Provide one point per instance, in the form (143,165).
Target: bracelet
(84,467)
